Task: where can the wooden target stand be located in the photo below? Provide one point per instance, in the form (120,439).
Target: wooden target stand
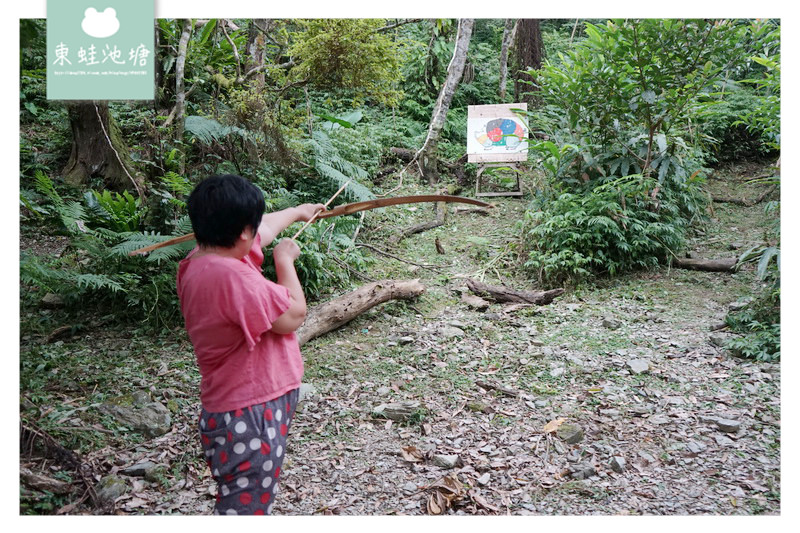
(511,165)
(480,119)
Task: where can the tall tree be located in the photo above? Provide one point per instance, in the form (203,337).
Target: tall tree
(255,49)
(180,77)
(528,56)
(98,149)
(508,38)
(426,157)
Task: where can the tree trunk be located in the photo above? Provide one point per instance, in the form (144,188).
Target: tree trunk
(504,294)
(330,315)
(528,56)
(159,73)
(508,37)
(180,87)
(98,150)
(255,50)
(426,157)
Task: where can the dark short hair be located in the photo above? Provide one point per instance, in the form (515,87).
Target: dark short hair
(221,207)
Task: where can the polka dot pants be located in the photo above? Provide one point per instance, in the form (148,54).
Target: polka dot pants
(244,449)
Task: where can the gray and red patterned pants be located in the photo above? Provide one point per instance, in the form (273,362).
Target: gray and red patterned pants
(244,449)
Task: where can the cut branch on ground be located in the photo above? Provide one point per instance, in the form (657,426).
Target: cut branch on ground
(337,312)
(707,265)
(502,294)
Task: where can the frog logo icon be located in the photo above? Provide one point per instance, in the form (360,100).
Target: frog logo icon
(100,25)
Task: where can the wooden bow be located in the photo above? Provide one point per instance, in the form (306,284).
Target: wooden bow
(346,209)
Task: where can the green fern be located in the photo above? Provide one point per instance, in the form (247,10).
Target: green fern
(331,166)
(208,131)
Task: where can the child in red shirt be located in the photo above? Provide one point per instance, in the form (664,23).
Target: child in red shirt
(242,328)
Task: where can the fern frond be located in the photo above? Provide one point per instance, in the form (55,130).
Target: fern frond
(207,130)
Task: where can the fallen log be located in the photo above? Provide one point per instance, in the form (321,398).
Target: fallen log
(330,315)
(706,265)
(504,294)
(744,202)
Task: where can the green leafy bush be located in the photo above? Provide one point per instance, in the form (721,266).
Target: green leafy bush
(759,324)
(115,211)
(608,229)
(623,95)
(727,137)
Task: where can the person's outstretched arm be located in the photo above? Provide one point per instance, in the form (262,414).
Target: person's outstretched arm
(274,223)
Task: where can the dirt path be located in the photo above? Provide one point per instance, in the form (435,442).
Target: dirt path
(662,420)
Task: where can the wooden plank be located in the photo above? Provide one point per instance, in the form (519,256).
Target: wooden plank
(497,157)
(495,110)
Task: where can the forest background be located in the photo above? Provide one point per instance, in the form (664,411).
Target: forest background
(633,152)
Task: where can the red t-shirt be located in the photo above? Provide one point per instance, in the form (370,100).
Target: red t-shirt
(229,308)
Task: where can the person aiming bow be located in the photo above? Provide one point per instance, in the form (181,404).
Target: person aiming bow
(242,327)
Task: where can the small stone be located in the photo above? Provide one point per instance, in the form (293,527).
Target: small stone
(718,340)
(557,371)
(398,411)
(659,419)
(476,302)
(722,440)
(639,366)
(728,426)
(383,391)
(52,300)
(405,340)
(570,433)
(139,469)
(306,390)
(445,461)
(617,464)
(695,447)
(611,323)
(484,479)
(583,471)
(410,487)
(609,412)
(739,305)
(647,457)
(450,332)
(110,488)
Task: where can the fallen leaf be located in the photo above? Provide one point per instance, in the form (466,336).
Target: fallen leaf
(411,454)
(436,504)
(553,425)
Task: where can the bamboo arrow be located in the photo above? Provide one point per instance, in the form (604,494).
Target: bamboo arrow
(346,209)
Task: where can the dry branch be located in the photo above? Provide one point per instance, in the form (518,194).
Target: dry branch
(330,315)
(504,294)
(441,216)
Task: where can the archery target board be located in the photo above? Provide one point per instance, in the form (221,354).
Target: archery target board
(497,133)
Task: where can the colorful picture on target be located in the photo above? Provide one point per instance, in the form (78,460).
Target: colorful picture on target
(503,132)
(496,133)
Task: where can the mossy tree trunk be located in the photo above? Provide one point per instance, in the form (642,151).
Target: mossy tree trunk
(426,157)
(98,150)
